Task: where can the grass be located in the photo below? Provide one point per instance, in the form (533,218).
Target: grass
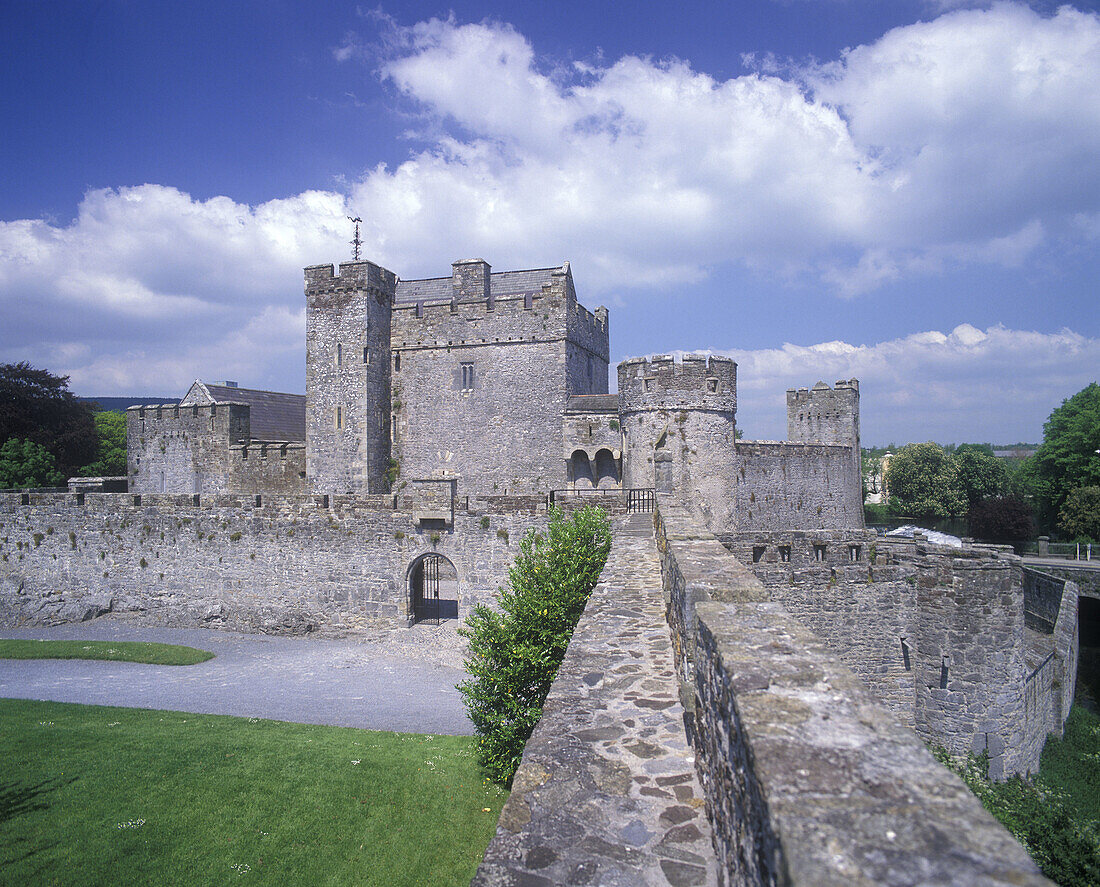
(94,795)
(115,651)
(1071,765)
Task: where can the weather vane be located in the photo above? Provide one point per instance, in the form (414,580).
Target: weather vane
(357,242)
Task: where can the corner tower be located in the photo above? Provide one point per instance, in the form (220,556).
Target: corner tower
(348,377)
(678,430)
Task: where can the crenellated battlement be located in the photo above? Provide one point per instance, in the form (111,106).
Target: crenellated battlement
(824,415)
(352,276)
(696,382)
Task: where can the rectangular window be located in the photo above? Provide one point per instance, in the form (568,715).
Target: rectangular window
(712,385)
(339,354)
(785,553)
(366,355)
(819,553)
(467,377)
(758,553)
(854,552)
(339,417)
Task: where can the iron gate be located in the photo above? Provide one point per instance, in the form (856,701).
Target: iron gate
(425,602)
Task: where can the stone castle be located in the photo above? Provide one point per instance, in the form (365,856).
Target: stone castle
(483,384)
(441,419)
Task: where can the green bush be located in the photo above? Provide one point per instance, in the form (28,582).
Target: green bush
(515,653)
(1068,852)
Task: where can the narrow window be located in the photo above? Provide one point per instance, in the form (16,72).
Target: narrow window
(467,377)
(819,553)
(712,385)
(397,362)
(758,553)
(366,355)
(785,553)
(339,417)
(854,552)
(528,301)
(648,384)
(339,354)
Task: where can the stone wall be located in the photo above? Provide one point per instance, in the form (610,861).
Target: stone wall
(174,449)
(796,486)
(937,634)
(283,564)
(808,780)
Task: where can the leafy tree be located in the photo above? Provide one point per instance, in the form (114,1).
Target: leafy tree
(1068,458)
(23,463)
(980,473)
(36,405)
(923,482)
(1001,519)
(871,469)
(515,653)
(110,460)
(1080,514)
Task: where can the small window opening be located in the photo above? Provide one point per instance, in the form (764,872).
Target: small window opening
(339,354)
(905,655)
(467,377)
(854,552)
(648,384)
(397,362)
(712,385)
(819,552)
(758,553)
(194,411)
(259,501)
(339,417)
(366,356)
(528,301)
(244,452)
(785,553)
(419,309)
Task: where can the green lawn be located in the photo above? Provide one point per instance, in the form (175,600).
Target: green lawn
(116,651)
(115,796)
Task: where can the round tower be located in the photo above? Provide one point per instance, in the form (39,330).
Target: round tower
(678,423)
(348,377)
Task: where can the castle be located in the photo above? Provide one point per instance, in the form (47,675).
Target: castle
(443,417)
(483,384)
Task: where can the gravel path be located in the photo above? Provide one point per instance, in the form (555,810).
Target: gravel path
(401,679)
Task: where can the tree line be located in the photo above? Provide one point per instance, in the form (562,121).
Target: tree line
(1056,491)
(47,435)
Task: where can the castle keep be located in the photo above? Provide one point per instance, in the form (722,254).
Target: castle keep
(492,384)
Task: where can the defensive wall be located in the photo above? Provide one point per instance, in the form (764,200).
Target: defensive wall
(937,633)
(248,563)
(805,777)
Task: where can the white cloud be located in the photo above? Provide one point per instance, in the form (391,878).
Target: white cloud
(996,385)
(968,139)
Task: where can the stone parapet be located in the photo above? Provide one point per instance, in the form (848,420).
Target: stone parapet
(808,779)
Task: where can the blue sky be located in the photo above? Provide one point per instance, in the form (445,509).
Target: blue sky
(903,192)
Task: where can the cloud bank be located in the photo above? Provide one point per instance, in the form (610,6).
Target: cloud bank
(966,141)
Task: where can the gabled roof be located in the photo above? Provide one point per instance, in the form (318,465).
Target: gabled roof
(272,415)
(501,284)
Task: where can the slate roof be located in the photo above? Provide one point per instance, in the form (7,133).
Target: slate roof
(593,403)
(501,283)
(273,416)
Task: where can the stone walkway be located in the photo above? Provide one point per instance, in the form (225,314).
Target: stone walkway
(607,792)
(402,680)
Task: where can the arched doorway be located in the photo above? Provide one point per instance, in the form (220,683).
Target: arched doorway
(607,469)
(581,471)
(432,589)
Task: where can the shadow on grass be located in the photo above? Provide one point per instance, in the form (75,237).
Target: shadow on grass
(17,798)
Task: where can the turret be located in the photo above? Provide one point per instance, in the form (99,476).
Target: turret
(348,377)
(678,427)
